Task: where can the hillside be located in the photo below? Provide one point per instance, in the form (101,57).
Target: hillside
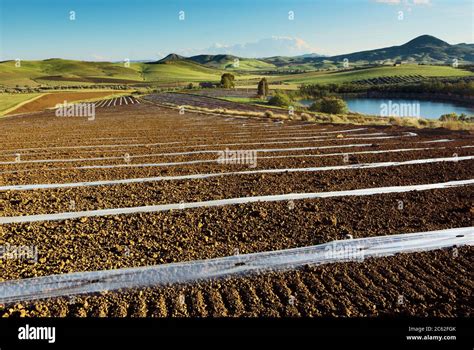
(425,48)
(178,70)
(425,71)
(70,72)
(60,71)
(175,68)
(230,62)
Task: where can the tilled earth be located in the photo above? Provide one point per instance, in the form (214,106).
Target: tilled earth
(145,140)
(202,101)
(434,283)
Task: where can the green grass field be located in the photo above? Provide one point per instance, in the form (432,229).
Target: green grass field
(178,72)
(244,100)
(8,101)
(30,72)
(348,76)
(68,72)
(249,64)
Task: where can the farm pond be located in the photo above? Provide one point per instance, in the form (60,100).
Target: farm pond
(402,107)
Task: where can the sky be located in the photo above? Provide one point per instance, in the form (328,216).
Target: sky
(114,30)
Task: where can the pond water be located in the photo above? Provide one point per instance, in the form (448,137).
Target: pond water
(402,107)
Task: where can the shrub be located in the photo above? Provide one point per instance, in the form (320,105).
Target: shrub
(395,121)
(336,119)
(268,114)
(305,117)
(423,122)
(331,105)
(322,118)
(280,99)
(451,125)
(227,81)
(448,117)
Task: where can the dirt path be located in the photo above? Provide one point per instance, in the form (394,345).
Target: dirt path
(52,99)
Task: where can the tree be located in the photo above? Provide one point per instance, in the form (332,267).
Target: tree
(227,81)
(330,104)
(280,99)
(262,89)
(448,117)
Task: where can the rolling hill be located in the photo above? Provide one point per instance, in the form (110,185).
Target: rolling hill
(223,62)
(423,49)
(60,71)
(231,62)
(175,68)
(425,71)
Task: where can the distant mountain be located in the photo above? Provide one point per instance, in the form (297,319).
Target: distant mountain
(175,68)
(171,57)
(230,62)
(311,55)
(215,60)
(425,48)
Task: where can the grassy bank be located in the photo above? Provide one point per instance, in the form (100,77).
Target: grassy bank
(281,114)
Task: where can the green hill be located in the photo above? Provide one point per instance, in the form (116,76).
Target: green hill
(368,73)
(296,70)
(33,73)
(178,71)
(425,48)
(230,62)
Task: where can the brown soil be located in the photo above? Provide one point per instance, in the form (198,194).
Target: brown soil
(156,238)
(422,284)
(202,101)
(52,99)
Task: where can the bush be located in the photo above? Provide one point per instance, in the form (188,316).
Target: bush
(227,81)
(268,114)
(451,125)
(466,118)
(305,117)
(280,99)
(395,121)
(322,119)
(423,122)
(331,105)
(448,117)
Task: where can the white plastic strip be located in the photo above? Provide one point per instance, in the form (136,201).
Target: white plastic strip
(68,160)
(184,144)
(229,201)
(281,131)
(437,141)
(247,172)
(323,138)
(237,265)
(144,165)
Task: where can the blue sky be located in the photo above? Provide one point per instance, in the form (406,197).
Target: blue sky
(149,29)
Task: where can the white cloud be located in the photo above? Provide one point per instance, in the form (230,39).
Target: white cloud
(274,46)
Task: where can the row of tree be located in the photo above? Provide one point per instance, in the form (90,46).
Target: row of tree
(461,88)
(228,82)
